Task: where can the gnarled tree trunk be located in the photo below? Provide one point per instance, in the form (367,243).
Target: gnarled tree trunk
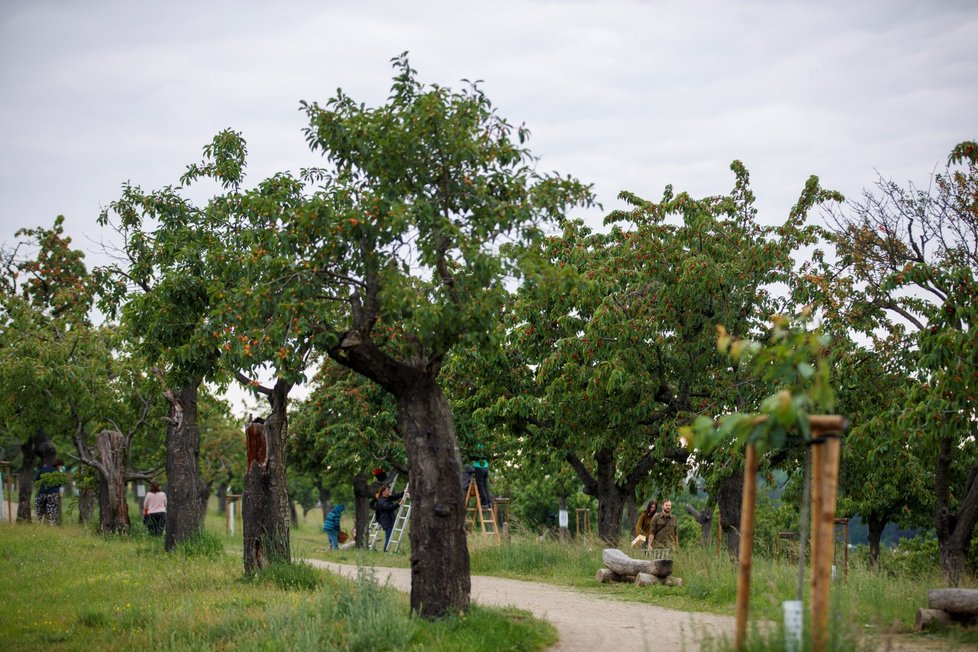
(874,524)
(729,492)
(611,495)
(954,529)
(361,512)
(705,519)
(440,580)
(222,496)
(25,481)
(324,495)
(110,447)
(87,499)
(265,503)
(184,515)
(37,448)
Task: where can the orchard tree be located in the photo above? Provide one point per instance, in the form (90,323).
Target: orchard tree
(883,477)
(618,348)
(160,288)
(45,295)
(910,257)
(424,211)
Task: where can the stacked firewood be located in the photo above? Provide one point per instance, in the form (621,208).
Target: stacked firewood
(949,606)
(619,567)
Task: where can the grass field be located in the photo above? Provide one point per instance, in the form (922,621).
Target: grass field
(67,588)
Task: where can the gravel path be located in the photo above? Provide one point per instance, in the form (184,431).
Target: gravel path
(585,623)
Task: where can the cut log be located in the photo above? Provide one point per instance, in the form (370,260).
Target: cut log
(932,619)
(954,601)
(622,564)
(605,575)
(644,579)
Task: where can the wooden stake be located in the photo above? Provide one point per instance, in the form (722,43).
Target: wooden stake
(823,538)
(747,504)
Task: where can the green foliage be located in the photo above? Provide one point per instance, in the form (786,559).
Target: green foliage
(916,557)
(793,360)
(52,479)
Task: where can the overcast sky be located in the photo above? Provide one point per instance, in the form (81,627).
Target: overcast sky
(626,95)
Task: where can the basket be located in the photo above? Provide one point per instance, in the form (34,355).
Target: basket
(343,536)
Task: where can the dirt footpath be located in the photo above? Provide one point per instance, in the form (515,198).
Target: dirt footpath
(584,622)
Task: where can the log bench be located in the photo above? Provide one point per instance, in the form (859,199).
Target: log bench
(947,607)
(619,567)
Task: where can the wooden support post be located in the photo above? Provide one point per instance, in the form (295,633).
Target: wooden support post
(816,449)
(748,502)
(822,564)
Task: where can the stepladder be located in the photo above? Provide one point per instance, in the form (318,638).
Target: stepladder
(401,522)
(479,516)
(374,531)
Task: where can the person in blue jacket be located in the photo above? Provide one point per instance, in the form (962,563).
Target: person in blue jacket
(331,526)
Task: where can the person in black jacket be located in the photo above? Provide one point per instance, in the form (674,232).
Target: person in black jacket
(386,511)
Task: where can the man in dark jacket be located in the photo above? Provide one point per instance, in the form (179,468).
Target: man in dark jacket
(386,511)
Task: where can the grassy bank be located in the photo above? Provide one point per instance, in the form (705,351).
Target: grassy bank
(66,589)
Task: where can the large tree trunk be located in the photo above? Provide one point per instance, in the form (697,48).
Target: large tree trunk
(87,498)
(611,498)
(954,529)
(265,504)
(875,524)
(222,497)
(705,519)
(729,491)
(324,495)
(440,580)
(361,514)
(293,514)
(110,446)
(25,481)
(37,448)
(184,516)
(611,495)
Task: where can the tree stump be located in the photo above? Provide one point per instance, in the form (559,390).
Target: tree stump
(932,619)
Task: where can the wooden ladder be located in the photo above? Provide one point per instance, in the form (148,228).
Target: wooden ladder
(478,516)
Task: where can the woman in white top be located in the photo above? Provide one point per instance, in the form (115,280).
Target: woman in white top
(154,510)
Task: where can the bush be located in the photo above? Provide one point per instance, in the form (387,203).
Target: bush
(913,557)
